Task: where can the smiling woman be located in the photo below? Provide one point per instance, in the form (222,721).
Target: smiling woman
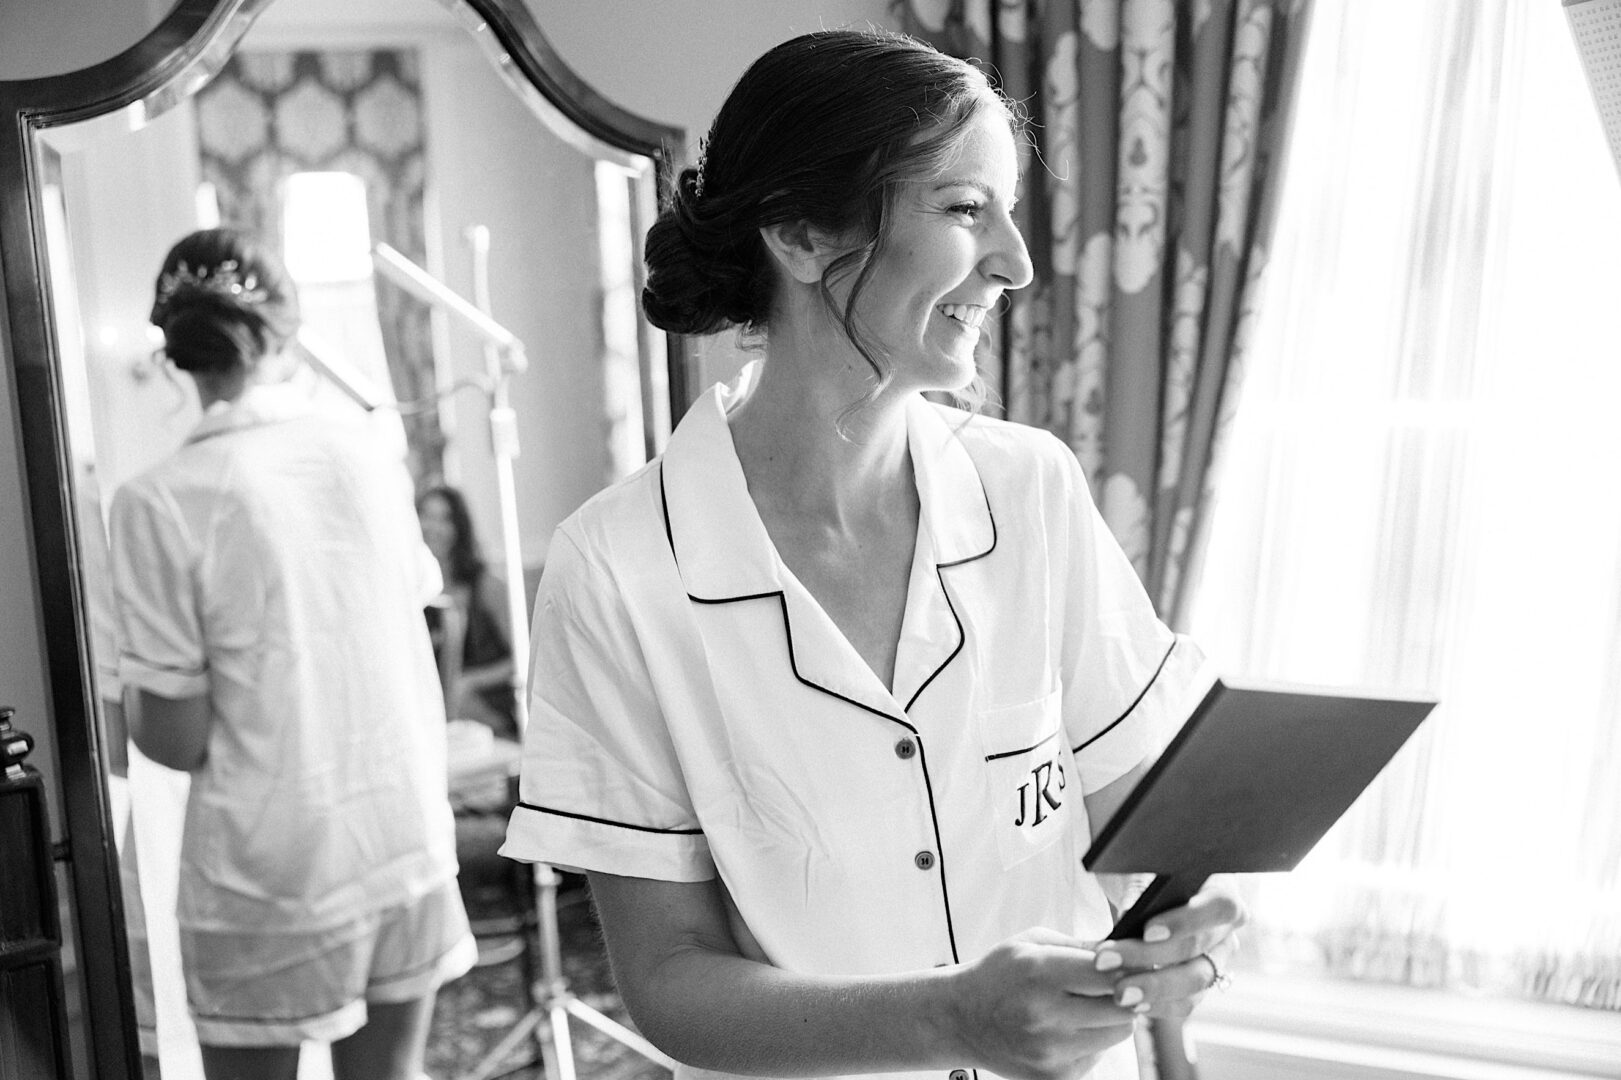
(794,686)
(946,254)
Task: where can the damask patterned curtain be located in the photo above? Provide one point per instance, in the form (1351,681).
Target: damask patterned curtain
(268,115)
(1157,132)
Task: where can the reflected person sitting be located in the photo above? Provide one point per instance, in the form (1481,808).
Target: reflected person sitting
(480,684)
(270,576)
(829,701)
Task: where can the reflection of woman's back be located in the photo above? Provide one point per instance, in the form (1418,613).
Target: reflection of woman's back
(304,575)
(269,577)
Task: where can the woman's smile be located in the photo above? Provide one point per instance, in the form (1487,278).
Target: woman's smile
(951,252)
(968,316)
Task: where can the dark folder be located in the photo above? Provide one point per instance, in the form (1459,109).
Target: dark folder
(1252,781)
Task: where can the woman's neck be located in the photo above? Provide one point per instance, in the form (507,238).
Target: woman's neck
(217,386)
(214,387)
(808,440)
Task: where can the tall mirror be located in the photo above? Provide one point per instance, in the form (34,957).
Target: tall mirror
(446,131)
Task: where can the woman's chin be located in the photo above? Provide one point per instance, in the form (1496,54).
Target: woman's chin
(957,373)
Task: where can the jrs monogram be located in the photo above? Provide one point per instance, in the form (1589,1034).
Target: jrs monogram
(1027,769)
(1041,794)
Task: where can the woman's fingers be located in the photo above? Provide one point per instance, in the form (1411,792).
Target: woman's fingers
(1037,1006)
(1177,989)
(1181,934)
(1184,953)
(1064,964)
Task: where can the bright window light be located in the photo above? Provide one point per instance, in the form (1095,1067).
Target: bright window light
(1419,493)
(208,206)
(328,236)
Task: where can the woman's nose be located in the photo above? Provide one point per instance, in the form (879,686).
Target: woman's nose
(1008,262)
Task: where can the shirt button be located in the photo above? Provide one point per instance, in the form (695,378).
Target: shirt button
(958,1074)
(905,749)
(924,860)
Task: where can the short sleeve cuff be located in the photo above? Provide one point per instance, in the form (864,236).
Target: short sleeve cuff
(1142,732)
(538,834)
(1118,750)
(164,682)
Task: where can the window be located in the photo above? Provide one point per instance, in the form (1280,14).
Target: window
(1422,490)
(327,246)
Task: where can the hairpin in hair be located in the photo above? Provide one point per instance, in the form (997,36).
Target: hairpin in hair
(225,280)
(702,167)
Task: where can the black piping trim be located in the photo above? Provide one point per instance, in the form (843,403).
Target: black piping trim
(1026,750)
(962,638)
(788,633)
(606,821)
(1138,701)
(664,504)
(940,852)
(994,535)
(787,625)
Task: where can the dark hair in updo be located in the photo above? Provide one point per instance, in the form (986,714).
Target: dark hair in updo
(823,129)
(223,301)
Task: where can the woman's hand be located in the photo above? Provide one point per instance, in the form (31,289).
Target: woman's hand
(1182,953)
(1036,1006)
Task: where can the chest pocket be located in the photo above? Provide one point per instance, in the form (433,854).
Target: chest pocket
(1031,776)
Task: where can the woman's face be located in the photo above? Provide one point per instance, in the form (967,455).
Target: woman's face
(438,527)
(952,252)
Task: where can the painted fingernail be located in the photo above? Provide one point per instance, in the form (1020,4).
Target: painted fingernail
(1130,996)
(1157,932)
(1107,961)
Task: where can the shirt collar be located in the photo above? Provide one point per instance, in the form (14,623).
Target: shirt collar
(259,403)
(955,509)
(721,545)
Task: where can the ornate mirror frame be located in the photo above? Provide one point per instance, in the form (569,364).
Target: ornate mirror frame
(181,53)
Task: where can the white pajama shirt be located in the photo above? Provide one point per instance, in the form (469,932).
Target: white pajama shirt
(275,564)
(696,714)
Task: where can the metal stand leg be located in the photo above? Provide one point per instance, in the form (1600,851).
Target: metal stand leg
(554,1003)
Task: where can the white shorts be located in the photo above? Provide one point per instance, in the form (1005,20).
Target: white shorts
(249,989)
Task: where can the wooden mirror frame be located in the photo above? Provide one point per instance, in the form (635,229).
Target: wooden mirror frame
(181,53)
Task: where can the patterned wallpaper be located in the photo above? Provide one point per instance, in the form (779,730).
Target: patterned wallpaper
(268,115)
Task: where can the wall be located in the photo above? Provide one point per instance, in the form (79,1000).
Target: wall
(676,60)
(537,196)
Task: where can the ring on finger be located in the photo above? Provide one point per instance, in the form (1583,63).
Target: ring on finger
(1219,979)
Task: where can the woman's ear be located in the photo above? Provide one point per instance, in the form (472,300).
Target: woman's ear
(802,251)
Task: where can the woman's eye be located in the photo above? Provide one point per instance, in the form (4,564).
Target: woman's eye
(968,209)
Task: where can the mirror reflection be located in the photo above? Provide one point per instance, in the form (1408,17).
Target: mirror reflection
(332,138)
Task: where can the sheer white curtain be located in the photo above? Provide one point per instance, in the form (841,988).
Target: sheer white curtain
(1423,491)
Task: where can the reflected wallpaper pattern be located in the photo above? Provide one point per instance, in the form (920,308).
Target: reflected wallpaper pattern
(269,115)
